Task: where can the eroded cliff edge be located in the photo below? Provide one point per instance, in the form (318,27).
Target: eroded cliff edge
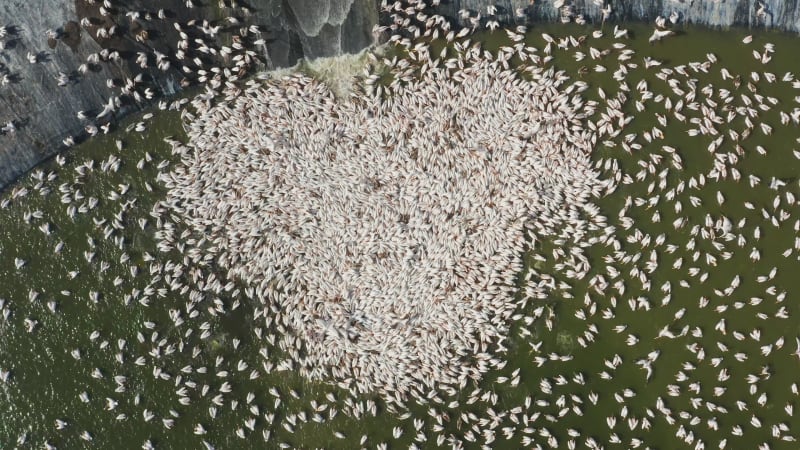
(41,99)
(43,84)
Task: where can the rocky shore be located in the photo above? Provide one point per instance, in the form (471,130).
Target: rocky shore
(39,100)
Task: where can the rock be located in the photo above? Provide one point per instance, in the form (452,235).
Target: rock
(778,14)
(44,113)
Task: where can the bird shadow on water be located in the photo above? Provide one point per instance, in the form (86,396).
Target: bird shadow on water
(10,44)
(44,57)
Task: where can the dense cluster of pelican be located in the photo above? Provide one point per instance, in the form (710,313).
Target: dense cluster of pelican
(389,231)
(376,206)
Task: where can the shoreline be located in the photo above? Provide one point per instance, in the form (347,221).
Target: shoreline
(17,163)
(709,13)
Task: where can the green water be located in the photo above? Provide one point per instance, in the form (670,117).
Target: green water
(46,381)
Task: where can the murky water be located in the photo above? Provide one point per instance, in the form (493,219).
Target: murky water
(46,381)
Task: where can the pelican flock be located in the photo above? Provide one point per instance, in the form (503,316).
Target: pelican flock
(388,232)
(570,237)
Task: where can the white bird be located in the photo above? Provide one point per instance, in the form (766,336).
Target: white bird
(659,34)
